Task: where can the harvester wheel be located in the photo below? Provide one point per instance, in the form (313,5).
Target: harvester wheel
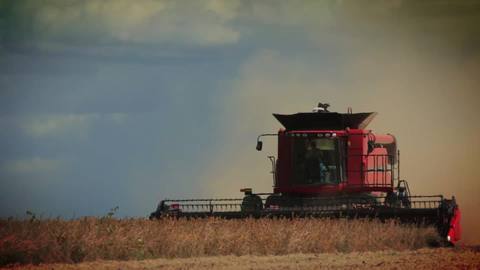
(252,203)
(392,200)
(396,201)
(274,202)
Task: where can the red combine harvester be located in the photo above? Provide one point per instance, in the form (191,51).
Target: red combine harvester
(329,165)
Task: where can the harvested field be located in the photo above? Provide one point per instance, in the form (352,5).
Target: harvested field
(437,258)
(91,239)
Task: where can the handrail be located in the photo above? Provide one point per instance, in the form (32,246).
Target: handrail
(381,172)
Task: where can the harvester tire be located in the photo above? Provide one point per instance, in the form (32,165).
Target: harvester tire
(252,204)
(274,201)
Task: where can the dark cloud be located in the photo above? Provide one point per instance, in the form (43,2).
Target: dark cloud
(202,23)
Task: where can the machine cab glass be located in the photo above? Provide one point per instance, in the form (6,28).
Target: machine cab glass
(318,161)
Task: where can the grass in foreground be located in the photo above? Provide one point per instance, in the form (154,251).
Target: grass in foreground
(89,239)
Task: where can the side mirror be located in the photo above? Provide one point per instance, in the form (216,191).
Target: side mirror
(259,145)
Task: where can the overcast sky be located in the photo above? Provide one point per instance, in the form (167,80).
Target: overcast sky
(122,103)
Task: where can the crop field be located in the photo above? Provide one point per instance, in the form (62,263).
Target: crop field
(421,259)
(90,239)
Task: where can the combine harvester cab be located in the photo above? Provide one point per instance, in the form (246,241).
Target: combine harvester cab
(330,165)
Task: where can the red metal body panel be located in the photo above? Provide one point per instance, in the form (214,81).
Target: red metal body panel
(455,231)
(357,148)
(381,139)
(284,161)
(362,168)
